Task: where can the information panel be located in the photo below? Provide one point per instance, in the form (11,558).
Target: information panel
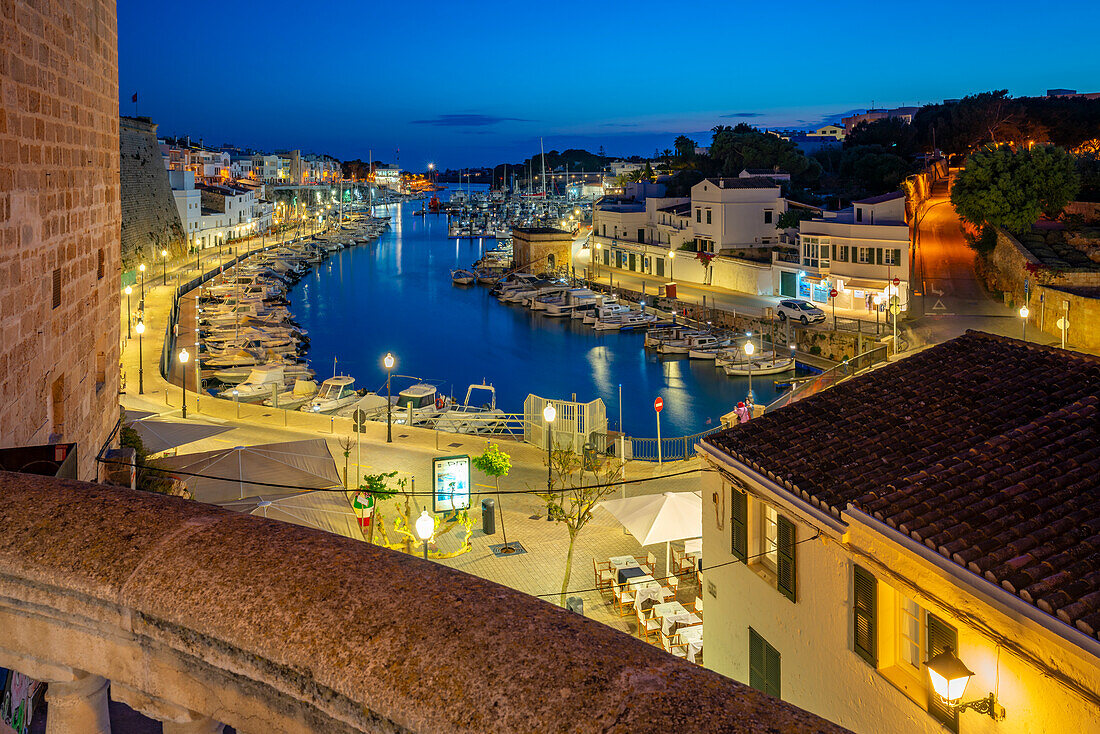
(450,483)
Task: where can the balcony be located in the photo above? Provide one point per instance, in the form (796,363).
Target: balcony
(199,616)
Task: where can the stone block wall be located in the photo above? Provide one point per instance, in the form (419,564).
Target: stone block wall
(59,225)
(150,219)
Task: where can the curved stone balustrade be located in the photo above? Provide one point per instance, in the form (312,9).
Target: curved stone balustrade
(197,615)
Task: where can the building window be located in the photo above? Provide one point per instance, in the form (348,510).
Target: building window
(891,257)
(859,214)
(56,287)
(769,536)
(865,255)
(764,665)
(841,254)
(767,216)
(708,216)
(698,215)
(909,633)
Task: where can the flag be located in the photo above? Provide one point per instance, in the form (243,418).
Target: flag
(134,98)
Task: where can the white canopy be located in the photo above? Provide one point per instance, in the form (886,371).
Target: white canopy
(324,510)
(659,518)
(160,436)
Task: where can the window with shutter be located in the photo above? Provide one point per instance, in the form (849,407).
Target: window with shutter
(739,535)
(878,256)
(940,637)
(57,287)
(897,257)
(863,615)
(785,566)
(764,665)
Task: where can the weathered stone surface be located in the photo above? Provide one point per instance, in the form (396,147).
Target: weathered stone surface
(377,640)
(150,220)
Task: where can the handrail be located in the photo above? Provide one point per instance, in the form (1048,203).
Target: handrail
(672,449)
(191,611)
(831,376)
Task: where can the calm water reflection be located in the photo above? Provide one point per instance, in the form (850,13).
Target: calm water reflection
(396,295)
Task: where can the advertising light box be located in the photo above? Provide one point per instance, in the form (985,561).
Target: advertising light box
(450,483)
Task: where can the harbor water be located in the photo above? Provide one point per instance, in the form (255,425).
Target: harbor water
(396,296)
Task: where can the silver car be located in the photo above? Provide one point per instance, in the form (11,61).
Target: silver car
(799,310)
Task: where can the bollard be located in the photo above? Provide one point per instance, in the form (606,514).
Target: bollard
(488,516)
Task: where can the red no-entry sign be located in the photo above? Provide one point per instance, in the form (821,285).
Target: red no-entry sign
(658,404)
(832,293)
(897,281)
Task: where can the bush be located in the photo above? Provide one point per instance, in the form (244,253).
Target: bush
(150,478)
(815,350)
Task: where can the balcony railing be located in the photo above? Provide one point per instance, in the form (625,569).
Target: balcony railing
(197,615)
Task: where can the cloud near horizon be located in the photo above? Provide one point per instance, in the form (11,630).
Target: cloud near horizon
(743,114)
(467,120)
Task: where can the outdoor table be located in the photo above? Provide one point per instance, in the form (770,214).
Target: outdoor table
(649,590)
(671,619)
(636,581)
(622,561)
(692,638)
(629,573)
(669,607)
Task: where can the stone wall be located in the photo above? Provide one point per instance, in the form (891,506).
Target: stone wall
(150,219)
(59,225)
(1087,210)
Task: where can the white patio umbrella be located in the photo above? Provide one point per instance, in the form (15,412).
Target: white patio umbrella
(659,518)
(158,435)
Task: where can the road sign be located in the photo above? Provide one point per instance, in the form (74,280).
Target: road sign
(897,281)
(658,404)
(1062,323)
(359,419)
(1027,288)
(895,309)
(832,293)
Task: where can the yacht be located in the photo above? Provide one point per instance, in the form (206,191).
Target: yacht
(264,381)
(637,320)
(334,393)
(606,311)
(303,391)
(691,342)
(477,414)
(572,299)
(759,366)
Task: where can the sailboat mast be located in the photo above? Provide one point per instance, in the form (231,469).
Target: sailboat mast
(542,153)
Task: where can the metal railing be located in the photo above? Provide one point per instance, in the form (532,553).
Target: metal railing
(859,326)
(672,449)
(832,376)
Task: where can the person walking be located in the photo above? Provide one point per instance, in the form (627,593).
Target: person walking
(742,413)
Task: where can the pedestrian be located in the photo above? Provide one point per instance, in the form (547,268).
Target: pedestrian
(742,413)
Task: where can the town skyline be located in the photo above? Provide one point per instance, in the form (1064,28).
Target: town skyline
(437,102)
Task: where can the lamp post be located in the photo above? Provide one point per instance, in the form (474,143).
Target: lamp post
(749,349)
(184,356)
(877,300)
(949,677)
(388,361)
(141,270)
(164,267)
(140,329)
(548,414)
(671,257)
(424,527)
(128,290)
(1023,317)
(237,400)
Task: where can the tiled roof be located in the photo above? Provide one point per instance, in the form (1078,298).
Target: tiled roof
(984,448)
(881,198)
(753,182)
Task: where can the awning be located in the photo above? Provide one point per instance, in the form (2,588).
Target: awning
(865,285)
(321,509)
(160,436)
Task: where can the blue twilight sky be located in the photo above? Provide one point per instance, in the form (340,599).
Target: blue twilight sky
(466,84)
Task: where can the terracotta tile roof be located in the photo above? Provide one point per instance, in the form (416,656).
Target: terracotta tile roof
(985,449)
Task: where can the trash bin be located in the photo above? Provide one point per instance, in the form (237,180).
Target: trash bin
(488,516)
(670,290)
(575,604)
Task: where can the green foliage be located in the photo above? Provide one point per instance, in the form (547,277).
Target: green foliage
(493,463)
(377,486)
(150,478)
(740,147)
(892,134)
(1011,189)
(985,242)
(685,147)
(790,218)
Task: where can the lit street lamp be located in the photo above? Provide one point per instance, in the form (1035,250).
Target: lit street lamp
(127,291)
(1023,316)
(237,400)
(388,361)
(184,356)
(549,413)
(141,270)
(671,255)
(424,527)
(749,349)
(949,677)
(140,329)
(164,267)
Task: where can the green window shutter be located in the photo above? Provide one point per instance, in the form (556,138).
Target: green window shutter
(878,256)
(764,665)
(940,637)
(897,257)
(834,252)
(739,525)
(785,570)
(864,615)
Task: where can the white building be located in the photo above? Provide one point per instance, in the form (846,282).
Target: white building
(944,501)
(858,251)
(388,177)
(828,131)
(732,214)
(188,202)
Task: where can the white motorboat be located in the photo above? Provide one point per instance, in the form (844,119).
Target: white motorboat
(574,298)
(552,295)
(654,337)
(239,358)
(463,277)
(334,393)
(303,391)
(605,312)
(477,414)
(421,401)
(759,366)
(637,320)
(372,404)
(696,342)
(265,380)
(733,355)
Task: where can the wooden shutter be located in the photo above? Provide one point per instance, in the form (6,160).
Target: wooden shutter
(784,568)
(764,665)
(940,637)
(56,287)
(864,617)
(897,257)
(878,256)
(739,524)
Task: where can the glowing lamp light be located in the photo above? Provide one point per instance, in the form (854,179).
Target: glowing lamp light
(141,267)
(749,348)
(128,290)
(140,328)
(949,677)
(549,413)
(184,356)
(1024,312)
(424,525)
(388,361)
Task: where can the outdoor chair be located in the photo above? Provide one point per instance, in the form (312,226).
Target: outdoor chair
(625,599)
(649,625)
(651,563)
(674,583)
(603,573)
(697,607)
(671,643)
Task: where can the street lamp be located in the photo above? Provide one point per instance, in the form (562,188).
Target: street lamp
(1023,315)
(388,361)
(141,269)
(128,290)
(424,527)
(671,255)
(548,414)
(164,267)
(749,349)
(877,300)
(140,329)
(184,356)
(949,677)
(237,400)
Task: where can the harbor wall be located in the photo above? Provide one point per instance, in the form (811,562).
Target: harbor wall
(59,226)
(150,219)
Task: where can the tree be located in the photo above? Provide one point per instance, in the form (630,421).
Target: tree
(572,501)
(496,464)
(790,218)
(892,133)
(1012,189)
(375,486)
(685,147)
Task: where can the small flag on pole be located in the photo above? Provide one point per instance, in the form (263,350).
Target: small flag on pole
(134,98)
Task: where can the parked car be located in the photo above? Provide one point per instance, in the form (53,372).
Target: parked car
(799,310)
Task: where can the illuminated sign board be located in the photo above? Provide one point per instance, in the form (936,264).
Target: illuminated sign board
(450,483)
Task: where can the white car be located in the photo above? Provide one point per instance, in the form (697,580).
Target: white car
(799,310)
